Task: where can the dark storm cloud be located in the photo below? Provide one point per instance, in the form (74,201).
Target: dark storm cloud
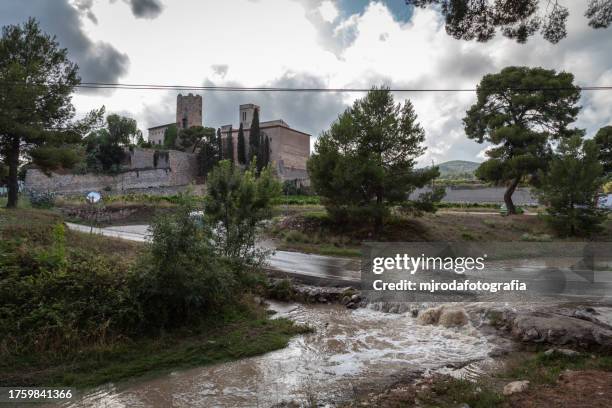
(98,61)
(148,9)
(145,8)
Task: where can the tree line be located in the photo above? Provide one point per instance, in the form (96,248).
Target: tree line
(363,166)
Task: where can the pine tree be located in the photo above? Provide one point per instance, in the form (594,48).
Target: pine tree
(242,156)
(229,146)
(520,123)
(570,186)
(254,136)
(38,80)
(219,144)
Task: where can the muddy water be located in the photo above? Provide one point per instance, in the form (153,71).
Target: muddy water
(348,350)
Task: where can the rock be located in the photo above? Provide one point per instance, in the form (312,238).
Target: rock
(446,316)
(515,387)
(562,351)
(430,316)
(464,405)
(551,328)
(453,317)
(414,312)
(355,298)
(345,300)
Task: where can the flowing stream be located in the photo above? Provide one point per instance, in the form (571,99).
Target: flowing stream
(349,350)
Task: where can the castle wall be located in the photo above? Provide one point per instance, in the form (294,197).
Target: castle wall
(177,170)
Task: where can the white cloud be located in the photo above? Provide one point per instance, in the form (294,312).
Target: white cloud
(263,41)
(328,11)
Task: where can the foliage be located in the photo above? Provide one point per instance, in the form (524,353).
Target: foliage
(365,162)
(229,146)
(41,199)
(236,204)
(106,147)
(516,19)
(56,299)
(180,279)
(209,153)
(520,121)
(295,187)
(192,137)
(603,138)
(170,136)
(263,157)
(49,158)
(427,202)
(219,141)
(254,136)
(242,153)
(35,97)
(570,188)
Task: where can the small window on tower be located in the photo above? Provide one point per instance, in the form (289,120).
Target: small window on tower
(243,116)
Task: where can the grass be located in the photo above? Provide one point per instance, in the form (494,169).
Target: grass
(448,392)
(240,331)
(545,369)
(239,334)
(541,370)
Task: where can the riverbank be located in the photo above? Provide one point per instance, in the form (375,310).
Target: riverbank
(521,379)
(310,230)
(69,319)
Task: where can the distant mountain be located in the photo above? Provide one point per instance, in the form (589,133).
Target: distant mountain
(458,169)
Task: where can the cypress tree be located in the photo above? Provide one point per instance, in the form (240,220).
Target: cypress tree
(254,136)
(229,147)
(242,154)
(219,144)
(264,150)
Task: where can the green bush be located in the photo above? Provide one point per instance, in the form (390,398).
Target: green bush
(41,199)
(56,299)
(180,279)
(295,236)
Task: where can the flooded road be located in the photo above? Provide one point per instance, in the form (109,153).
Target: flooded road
(348,350)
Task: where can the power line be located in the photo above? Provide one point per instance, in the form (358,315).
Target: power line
(215,88)
(99,85)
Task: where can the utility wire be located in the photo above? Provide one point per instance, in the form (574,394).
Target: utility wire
(215,88)
(98,85)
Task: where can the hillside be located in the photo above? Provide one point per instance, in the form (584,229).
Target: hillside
(458,169)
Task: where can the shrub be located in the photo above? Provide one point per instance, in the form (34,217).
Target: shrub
(281,290)
(41,199)
(236,205)
(295,236)
(56,299)
(180,280)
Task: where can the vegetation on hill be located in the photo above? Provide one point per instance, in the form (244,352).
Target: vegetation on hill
(458,169)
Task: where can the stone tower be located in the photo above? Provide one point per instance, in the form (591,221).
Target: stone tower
(246,114)
(188,111)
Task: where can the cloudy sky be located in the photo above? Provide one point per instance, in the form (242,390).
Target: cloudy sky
(302,43)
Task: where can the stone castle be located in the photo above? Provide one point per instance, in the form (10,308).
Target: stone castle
(162,172)
(289,148)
